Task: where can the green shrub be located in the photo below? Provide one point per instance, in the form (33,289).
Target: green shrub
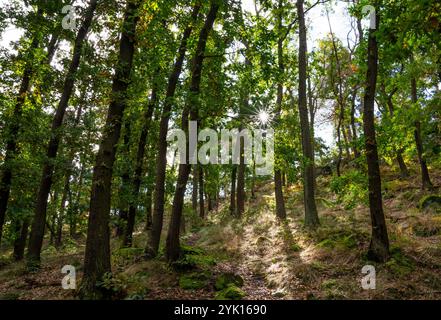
(350,189)
(194,281)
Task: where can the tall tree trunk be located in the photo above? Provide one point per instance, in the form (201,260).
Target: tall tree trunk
(191,109)
(37,229)
(75,208)
(201,192)
(353,127)
(425,177)
(253,181)
(60,217)
(194,195)
(161,159)
(240,198)
(97,255)
(379,246)
(14,129)
(233,191)
(340,102)
(137,178)
(311,216)
(124,191)
(278,183)
(149,209)
(20,242)
(70,165)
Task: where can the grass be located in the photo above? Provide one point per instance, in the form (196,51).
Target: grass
(275,260)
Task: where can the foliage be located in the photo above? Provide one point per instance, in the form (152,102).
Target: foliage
(351,188)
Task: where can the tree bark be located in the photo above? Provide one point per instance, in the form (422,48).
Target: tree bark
(194,196)
(161,159)
(233,191)
(124,190)
(425,177)
(137,178)
(240,198)
(191,109)
(149,209)
(37,229)
(14,129)
(97,255)
(311,216)
(201,192)
(379,245)
(353,127)
(278,183)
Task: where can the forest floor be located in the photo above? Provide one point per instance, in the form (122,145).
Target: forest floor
(275,260)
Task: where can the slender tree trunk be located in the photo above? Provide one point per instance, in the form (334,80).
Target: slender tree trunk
(20,242)
(233,191)
(37,229)
(194,196)
(379,246)
(60,216)
(278,183)
(19,245)
(97,255)
(201,192)
(139,168)
(161,159)
(74,212)
(353,127)
(425,177)
(311,216)
(253,182)
(240,198)
(172,243)
(149,209)
(13,131)
(124,192)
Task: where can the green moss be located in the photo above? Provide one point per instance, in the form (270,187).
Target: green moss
(230,293)
(428,201)
(10,296)
(194,281)
(226,279)
(399,264)
(192,258)
(340,241)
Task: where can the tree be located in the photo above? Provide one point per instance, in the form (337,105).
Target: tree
(14,127)
(379,245)
(38,224)
(161,159)
(311,216)
(97,254)
(190,112)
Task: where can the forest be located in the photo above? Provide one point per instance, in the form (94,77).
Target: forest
(220,149)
